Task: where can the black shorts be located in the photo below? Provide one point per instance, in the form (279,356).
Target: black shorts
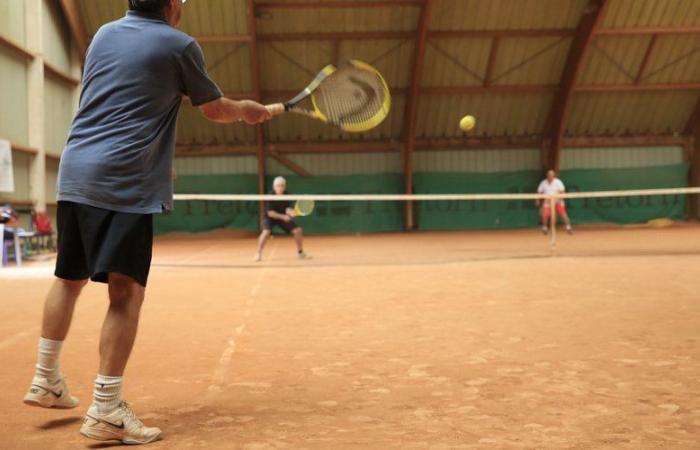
(92,242)
(288,227)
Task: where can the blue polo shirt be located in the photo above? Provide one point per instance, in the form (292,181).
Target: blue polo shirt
(121,143)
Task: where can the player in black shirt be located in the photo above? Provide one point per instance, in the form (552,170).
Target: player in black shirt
(279,213)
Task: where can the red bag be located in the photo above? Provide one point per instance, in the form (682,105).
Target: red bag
(42,223)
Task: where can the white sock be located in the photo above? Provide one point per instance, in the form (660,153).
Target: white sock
(108,393)
(568,227)
(47,364)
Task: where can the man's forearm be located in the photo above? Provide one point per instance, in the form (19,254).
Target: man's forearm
(275,215)
(224,110)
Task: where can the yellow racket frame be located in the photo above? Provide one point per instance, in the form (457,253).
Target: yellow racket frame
(367,124)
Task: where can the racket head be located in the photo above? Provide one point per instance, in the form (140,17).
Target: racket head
(354,97)
(304,207)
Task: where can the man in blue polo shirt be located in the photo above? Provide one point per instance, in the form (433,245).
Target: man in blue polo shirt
(115,173)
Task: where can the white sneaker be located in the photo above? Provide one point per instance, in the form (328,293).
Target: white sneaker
(257,257)
(118,425)
(303,255)
(46,395)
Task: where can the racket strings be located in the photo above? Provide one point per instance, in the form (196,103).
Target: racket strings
(352,96)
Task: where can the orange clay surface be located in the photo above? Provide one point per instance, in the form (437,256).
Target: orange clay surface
(440,341)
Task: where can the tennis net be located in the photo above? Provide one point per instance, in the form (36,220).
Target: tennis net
(367,213)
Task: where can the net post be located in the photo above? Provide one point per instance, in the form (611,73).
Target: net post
(553,221)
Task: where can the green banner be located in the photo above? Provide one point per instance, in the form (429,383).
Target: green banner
(455,215)
(328,217)
(196,215)
(458,215)
(625,210)
(360,217)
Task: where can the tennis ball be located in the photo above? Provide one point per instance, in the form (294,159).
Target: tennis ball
(467,123)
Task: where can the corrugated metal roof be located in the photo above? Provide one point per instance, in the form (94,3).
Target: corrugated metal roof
(97,13)
(496,114)
(506,14)
(648,13)
(456,62)
(618,59)
(609,158)
(614,59)
(12,20)
(336,19)
(214,17)
(674,59)
(531,61)
(229,66)
(509,160)
(216,165)
(289,65)
(340,164)
(630,112)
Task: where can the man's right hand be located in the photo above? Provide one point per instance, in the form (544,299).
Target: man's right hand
(287,218)
(253,112)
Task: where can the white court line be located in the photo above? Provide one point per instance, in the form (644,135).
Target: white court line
(19,336)
(227,355)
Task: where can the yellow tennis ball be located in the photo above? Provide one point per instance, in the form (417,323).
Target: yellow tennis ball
(467,123)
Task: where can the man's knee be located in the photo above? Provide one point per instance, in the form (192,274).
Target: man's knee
(74,286)
(297,231)
(124,289)
(265,233)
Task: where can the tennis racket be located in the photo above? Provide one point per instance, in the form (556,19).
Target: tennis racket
(353,97)
(303,208)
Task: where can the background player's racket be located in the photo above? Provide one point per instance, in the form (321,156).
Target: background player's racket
(353,97)
(303,208)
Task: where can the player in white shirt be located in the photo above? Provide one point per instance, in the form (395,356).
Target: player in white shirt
(549,186)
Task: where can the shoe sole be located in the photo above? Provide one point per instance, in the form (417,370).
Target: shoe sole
(105,435)
(38,404)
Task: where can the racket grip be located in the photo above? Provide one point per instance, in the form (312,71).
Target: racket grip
(275,109)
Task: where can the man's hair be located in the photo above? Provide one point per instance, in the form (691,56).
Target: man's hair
(279,180)
(151,6)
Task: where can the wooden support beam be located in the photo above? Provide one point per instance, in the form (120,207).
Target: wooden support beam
(492,89)
(75,23)
(559,112)
(638,87)
(257,90)
(631,31)
(493,54)
(693,123)
(335,36)
(486,34)
(289,164)
(224,39)
(409,130)
(335,147)
(24,149)
(187,150)
(468,143)
(60,75)
(16,48)
(645,60)
(624,141)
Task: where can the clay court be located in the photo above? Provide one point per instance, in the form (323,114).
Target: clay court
(450,340)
